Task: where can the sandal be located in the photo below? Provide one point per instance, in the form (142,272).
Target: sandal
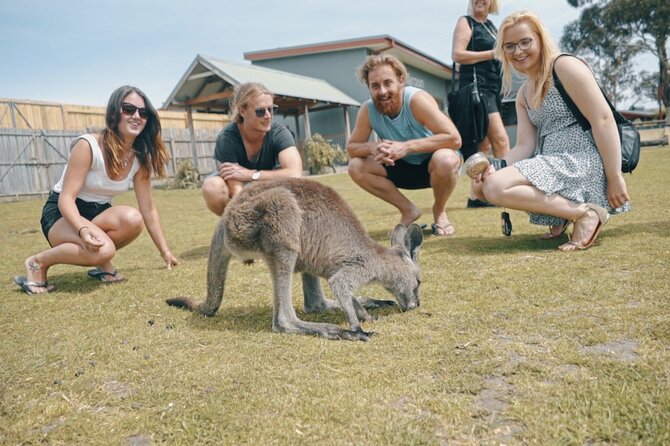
(97,273)
(25,285)
(550,235)
(603,218)
(441,230)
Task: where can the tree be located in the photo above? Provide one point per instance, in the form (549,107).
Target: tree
(591,38)
(641,25)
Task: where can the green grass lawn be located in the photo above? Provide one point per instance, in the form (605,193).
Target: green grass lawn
(514,341)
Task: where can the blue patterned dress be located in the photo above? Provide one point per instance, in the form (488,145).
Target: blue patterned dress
(568,163)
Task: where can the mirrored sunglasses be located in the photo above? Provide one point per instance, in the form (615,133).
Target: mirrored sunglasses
(130,109)
(260,111)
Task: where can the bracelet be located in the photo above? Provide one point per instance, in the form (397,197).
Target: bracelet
(79,231)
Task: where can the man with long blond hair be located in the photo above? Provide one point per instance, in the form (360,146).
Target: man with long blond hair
(251,148)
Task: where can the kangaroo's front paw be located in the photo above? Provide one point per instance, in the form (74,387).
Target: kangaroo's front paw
(356,335)
(376,303)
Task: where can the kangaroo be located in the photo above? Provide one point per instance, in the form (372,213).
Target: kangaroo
(299,225)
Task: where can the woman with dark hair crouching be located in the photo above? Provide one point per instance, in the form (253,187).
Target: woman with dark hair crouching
(78,219)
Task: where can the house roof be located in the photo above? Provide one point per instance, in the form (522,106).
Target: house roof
(208,86)
(377,44)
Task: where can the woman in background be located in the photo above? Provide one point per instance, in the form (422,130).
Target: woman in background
(473,49)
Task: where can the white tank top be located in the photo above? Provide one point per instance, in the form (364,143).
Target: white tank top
(98,187)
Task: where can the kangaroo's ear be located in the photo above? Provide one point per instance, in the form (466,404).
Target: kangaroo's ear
(413,241)
(398,235)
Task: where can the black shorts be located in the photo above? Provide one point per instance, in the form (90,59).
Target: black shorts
(493,101)
(51,214)
(409,176)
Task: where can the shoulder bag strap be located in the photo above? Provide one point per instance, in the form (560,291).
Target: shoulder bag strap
(471,45)
(579,116)
(453,65)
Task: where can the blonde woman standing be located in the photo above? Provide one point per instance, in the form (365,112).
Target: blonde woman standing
(473,48)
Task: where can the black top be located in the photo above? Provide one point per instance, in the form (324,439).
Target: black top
(488,71)
(230,147)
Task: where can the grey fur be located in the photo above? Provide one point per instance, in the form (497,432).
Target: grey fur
(299,225)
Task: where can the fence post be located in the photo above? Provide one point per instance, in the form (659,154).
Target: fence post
(194,147)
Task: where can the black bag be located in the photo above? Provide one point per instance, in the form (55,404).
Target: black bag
(470,116)
(628,134)
(468,112)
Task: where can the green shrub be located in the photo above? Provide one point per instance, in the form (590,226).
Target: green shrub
(187,176)
(320,153)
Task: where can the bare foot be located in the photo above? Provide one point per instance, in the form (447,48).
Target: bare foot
(36,274)
(555,231)
(409,217)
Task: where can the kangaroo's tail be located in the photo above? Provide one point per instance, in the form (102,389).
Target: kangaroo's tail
(217,269)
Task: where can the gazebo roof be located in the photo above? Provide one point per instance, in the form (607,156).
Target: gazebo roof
(207,86)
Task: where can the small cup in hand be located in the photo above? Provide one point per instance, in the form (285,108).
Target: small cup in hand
(476,164)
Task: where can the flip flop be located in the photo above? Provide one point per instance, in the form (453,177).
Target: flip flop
(443,228)
(25,285)
(98,274)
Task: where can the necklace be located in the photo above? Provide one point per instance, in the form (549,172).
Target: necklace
(126,160)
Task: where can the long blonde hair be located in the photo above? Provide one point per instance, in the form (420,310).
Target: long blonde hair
(548,52)
(494,7)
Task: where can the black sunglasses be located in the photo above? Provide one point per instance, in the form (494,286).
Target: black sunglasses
(260,111)
(130,109)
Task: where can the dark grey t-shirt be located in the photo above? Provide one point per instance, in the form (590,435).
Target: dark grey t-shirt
(230,147)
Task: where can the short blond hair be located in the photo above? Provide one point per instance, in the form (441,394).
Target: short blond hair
(494,7)
(243,94)
(374,61)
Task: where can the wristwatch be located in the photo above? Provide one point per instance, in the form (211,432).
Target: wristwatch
(256,175)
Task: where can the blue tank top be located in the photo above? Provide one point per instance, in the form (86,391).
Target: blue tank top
(401,128)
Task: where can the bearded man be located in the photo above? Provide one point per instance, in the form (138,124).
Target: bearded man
(417,148)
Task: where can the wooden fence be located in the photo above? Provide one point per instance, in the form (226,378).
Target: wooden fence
(24,114)
(32,161)
(35,142)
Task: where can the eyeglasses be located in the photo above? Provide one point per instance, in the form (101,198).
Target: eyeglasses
(523,45)
(260,111)
(130,109)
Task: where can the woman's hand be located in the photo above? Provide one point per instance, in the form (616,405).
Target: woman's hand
(617,193)
(89,240)
(170,259)
(482,176)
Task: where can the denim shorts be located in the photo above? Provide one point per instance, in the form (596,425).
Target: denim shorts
(51,214)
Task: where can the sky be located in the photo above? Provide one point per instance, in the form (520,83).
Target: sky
(79,51)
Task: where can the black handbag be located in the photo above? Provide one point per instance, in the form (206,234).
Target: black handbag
(628,134)
(468,112)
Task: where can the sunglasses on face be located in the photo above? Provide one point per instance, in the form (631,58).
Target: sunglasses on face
(130,109)
(523,45)
(260,111)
